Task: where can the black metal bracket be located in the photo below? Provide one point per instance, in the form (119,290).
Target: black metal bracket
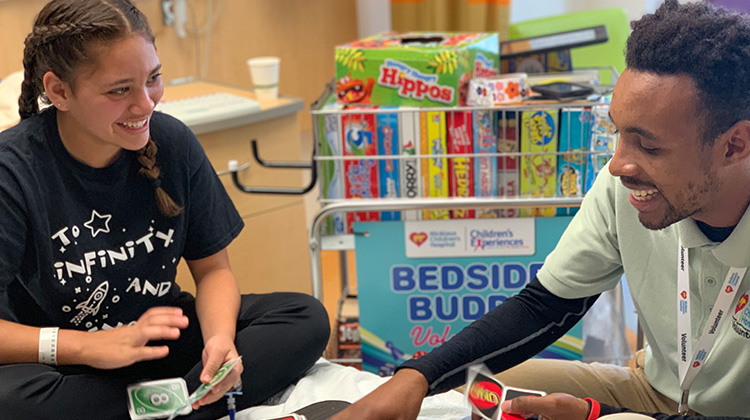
(277,165)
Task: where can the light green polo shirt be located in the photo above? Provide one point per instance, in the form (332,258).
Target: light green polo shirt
(605,239)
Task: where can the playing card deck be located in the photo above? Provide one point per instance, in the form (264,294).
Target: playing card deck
(169,397)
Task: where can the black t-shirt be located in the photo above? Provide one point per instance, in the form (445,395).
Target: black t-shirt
(86,248)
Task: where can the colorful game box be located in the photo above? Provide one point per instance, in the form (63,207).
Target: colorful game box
(414,68)
(460,169)
(539,168)
(507,166)
(603,142)
(485,168)
(434,143)
(360,176)
(331,184)
(388,170)
(411,169)
(498,90)
(575,126)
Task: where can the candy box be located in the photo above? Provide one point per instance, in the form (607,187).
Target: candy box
(498,90)
(414,68)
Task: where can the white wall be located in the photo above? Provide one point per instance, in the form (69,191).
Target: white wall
(373,17)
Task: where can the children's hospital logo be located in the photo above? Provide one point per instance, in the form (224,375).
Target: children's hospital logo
(418,238)
(741,317)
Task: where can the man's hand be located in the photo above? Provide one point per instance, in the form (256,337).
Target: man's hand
(124,346)
(550,407)
(400,398)
(218,350)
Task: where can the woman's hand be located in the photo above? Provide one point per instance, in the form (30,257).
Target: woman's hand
(218,350)
(124,346)
(549,407)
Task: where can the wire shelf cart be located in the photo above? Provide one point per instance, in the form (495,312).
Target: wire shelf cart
(534,159)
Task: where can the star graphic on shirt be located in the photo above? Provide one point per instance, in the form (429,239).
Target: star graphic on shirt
(98,223)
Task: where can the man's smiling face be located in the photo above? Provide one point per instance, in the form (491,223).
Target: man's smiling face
(660,155)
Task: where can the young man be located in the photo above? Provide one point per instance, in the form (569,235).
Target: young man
(670,213)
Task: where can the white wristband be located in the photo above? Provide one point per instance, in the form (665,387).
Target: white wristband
(48,346)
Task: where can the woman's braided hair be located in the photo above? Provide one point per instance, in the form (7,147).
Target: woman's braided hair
(62,41)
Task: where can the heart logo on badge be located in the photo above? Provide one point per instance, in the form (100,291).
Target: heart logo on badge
(696,364)
(729,289)
(741,303)
(418,238)
(684,294)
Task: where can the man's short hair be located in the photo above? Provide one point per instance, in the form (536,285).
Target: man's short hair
(707,43)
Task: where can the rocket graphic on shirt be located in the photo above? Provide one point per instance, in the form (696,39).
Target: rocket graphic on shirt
(91,305)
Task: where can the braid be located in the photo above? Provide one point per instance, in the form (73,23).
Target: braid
(30,87)
(61,41)
(147,158)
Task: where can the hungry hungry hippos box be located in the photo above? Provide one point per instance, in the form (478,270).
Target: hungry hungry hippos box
(414,68)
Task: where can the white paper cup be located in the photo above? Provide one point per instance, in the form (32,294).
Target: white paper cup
(264,72)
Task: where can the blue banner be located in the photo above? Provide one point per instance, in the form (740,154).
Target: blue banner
(408,306)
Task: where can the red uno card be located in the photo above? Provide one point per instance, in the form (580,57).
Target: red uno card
(485,393)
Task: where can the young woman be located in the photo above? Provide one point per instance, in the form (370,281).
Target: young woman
(100,197)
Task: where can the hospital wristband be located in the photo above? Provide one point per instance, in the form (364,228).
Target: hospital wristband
(48,346)
(594,408)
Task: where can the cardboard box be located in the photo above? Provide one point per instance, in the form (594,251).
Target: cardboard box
(539,133)
(485,168)
(414,68)
(434,143)
(412,186)
(575,127)
(460,169)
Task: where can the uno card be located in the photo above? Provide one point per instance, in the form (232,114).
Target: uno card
(205,388)
(218,377)
(485,394)
(157,399)
(511,393)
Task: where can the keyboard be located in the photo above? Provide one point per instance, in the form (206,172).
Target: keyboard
(209,108)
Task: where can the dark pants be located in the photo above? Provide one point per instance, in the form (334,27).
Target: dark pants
(279,336)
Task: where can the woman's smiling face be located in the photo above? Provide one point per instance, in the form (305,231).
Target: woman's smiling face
(110,102)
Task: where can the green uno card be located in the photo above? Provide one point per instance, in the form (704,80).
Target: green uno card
(218,377)
(158,399)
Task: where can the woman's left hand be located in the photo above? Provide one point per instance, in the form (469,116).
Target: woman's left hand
(217,351)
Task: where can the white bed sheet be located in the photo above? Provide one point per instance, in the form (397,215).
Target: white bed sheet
(329,381)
